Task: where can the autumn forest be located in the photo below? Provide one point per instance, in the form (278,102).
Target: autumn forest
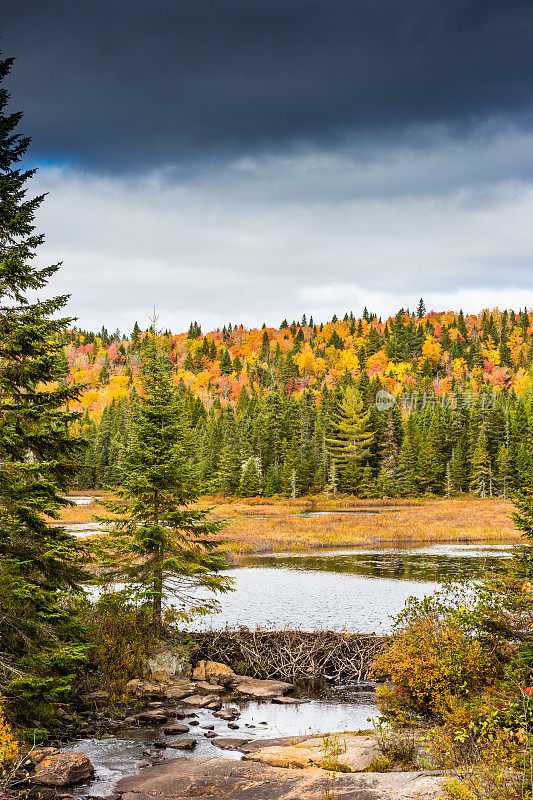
(420,403)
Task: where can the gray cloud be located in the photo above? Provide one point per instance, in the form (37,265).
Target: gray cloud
(123,85)
(320,233)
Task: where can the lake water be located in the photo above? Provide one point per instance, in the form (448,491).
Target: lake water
(356,589)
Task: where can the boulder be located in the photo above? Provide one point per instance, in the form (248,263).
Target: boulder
(37,754)
(146,690)
(288,701)
(62,769)
(167,663)
(214,778)
(215,672)
(179,689)
(198,673)
(153,717)
(282,756)
(261,689)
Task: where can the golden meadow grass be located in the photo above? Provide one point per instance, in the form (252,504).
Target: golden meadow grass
(260,525)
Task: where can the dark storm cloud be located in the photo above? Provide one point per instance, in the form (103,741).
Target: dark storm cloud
(124,84)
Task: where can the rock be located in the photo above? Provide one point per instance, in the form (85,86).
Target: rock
(233,726)
(214,705)
(62,769)
(160,745)
(200,700)
(228,714)
(180,689)
(357,752)
(180,715)
(183,744)
(36,755)
(198,673)
(261,689)
(194,722)
(215,672)
(229,744)
(156,716)
(214,778)
(209,734)
(282,756)
(170,730)
(167,663)
(209,688)
(96,697)
(208,727)
(146,689)
(288,701)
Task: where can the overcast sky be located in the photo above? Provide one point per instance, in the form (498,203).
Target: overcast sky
(250,160)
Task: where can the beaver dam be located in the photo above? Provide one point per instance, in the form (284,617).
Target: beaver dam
(290,655)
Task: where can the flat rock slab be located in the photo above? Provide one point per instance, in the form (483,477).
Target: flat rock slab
(261,689)
(229,743)
(218,778)
(183,744)
(355,752)
(201,700)
(288,701)
(170,730)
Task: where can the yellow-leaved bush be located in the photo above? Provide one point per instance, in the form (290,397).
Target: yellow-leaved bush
(431,660)
(8,742)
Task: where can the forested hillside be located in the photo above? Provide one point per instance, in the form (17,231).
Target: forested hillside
(418,403)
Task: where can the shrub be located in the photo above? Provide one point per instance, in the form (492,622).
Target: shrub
(8,742)
(431,659)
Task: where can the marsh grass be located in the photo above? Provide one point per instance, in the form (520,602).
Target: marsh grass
(259,525)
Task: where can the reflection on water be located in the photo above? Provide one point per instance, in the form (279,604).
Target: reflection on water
(437,563)
(358,590)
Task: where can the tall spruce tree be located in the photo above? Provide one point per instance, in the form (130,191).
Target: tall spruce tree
(351,436)
(161,548)
(39,637)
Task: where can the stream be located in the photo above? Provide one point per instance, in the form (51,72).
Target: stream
(357,589)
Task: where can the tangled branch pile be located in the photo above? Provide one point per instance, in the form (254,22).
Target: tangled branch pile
(290,654)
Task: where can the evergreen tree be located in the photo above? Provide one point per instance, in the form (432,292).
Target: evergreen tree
(160,547)
(480,481)
(250,485)
(39,563)
(351,437)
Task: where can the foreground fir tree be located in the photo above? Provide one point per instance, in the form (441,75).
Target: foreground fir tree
(38,562)
(164,551)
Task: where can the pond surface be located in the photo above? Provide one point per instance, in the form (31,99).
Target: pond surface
(115,756)
(357,589)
